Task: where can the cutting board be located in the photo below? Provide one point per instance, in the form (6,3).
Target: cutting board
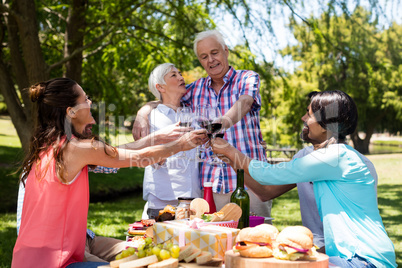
(215,263)
(193,265)
(233,260)
(231,212)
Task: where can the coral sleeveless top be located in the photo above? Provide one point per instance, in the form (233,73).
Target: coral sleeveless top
(54,218)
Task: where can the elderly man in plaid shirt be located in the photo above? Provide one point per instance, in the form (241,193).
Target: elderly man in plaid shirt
(237,95)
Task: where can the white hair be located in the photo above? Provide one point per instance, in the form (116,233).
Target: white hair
(210,33)
(157,76)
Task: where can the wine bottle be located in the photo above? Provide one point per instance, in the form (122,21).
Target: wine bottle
(241,198)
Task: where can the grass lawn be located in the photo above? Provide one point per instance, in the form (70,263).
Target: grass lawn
(389,169)
(112,218)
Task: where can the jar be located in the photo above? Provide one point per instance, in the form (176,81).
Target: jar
(183,208)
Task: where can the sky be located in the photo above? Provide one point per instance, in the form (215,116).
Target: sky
(267,46)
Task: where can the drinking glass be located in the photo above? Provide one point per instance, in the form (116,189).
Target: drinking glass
(184,116)
(215,130)
(210,118)
(201,121)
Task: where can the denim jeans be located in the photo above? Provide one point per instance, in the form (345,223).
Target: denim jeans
(87,264)
(355,262)
(153,213)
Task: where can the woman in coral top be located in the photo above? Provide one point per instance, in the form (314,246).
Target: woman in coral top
(55,173)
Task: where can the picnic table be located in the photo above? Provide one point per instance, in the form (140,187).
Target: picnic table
(288,152)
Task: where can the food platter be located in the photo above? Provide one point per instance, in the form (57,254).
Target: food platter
(161,241)
(234,260)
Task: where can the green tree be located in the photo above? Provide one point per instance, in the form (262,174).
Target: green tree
(107,47)
(350,53)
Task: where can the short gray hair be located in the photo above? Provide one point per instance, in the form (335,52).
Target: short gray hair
(157,76)
(210,33)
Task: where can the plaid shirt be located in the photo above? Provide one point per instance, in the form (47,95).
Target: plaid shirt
(245,135)
(101,169)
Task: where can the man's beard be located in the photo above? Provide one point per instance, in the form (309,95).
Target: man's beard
(304,135)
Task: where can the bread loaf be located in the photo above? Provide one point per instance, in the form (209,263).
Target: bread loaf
(185,252)
(204,257)
(116,263)
(196,252)
(169,263)
(140,262)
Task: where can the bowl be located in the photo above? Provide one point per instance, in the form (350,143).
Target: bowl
(256,220)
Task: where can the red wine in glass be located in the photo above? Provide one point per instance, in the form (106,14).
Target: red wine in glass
(219,135)
(215,127)
(204,123)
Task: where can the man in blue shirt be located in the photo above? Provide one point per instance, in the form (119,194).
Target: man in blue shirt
(344,187)
(308,206)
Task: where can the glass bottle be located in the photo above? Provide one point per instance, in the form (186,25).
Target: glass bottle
(241,198)
(183,208)
(209,197)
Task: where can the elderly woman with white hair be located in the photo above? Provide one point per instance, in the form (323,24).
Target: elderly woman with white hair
(177,177)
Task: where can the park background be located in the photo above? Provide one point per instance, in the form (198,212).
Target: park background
(110,47)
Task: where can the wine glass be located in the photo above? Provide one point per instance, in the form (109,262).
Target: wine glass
(210,118)
(202,121)
(184,116)
(215,130)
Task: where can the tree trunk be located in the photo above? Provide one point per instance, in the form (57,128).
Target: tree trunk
(14,108)
(18,66)
(35,64)
(361,145)
(74,39)
(28,66)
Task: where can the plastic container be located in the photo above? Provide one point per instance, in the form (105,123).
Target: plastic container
(256,220)
(208,196)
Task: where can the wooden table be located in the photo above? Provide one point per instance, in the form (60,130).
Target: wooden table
(234,260)
(289,153)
